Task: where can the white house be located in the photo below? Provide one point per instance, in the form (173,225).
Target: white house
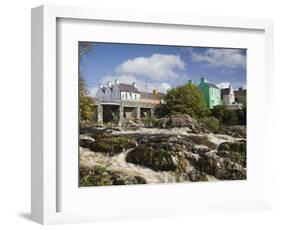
(228,99)
(118,92)
(227,96)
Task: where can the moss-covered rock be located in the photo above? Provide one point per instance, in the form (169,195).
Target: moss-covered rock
(86,143)
(158,160)
(121,179)
(163,156)
(167,153)
(203,140)
(220,167)
(96,176)
(101,176)
(235,131)
(239,146)
(111,145)
(236,152)
(181,120)
(237,157)
(196,175)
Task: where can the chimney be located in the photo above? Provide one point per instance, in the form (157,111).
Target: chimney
(116,82)
(203,80)
(101,85)
(109,84)
(134,84)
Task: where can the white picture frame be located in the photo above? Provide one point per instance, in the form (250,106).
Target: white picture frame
(45,162)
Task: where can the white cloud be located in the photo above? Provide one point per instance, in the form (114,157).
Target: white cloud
(93,91)
(159,67)
(141,84)
(235,85)
(224,85)
(227,58)
(165,86)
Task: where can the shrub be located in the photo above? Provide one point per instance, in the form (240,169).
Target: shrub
(242,116)
(211,123)
(149,120)
(225,116)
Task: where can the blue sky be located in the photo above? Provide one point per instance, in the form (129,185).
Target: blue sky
(162,67)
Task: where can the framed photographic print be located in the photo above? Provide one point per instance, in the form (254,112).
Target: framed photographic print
(138,115)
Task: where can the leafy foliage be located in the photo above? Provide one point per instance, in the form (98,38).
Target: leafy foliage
(242,116)
(149,120)
(87,106)
(85,47)
(161,111)
(211,123)
(186,99)
(229,117)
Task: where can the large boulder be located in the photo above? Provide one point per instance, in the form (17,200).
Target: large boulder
(220,167)
(157,158)
(236,152)
(111,145)
(165,153)
(122,179)
(100,176)
(236,131)
(96,176)
(238,146)
(181,120)
(203,140)
(160,154)
(96,133)
(195,175)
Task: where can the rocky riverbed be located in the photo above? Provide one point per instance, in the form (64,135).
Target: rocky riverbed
(164,153)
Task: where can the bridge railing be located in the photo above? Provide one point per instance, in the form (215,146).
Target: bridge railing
(109,102)
(126,103)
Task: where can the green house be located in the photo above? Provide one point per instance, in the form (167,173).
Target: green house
(210,92)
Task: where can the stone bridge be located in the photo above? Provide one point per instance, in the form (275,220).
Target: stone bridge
(117,111)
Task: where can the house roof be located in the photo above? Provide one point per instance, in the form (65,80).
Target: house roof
(128,88)
(146,95)
(212,85)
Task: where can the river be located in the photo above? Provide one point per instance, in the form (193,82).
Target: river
(118,162)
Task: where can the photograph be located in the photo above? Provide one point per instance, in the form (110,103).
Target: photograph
(153,113)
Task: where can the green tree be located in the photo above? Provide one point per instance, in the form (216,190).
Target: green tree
(225,116)
(87,106)
(186,99)
(219,112)
(85,47)
(242,116)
